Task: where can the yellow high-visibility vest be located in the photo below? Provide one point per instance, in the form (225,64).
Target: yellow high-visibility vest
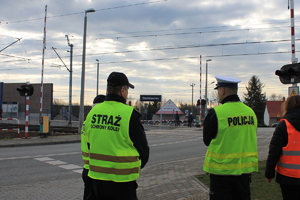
(112,154)
(234,150)
(84,149)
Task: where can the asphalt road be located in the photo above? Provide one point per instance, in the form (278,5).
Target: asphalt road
(32,166)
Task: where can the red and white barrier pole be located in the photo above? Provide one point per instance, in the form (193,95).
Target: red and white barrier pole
(26,117)
(42,73)
(200,117)
(294,60)
(18,129)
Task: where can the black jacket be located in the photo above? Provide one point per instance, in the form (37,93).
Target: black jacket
(190,118)
(136,130)
(210,125)
(279,140)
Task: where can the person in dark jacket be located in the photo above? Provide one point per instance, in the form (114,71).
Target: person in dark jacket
(231,156)
(118,143)
(176,119)
(190,119)
(287,175)
(87,194)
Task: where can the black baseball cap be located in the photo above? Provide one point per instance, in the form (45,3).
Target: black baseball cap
(118,79)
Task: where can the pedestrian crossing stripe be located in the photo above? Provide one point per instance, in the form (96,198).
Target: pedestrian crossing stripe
(61,164)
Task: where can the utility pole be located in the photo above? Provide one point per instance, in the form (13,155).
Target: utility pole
(70,80)
(70,85)
(192,96)
(97,77)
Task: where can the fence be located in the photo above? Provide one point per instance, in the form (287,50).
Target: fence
(18,129)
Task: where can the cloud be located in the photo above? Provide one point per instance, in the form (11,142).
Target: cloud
(157,45)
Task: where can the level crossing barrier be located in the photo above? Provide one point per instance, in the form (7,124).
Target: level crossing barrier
(18,129)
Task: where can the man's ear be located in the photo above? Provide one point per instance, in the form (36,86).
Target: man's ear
(223,90)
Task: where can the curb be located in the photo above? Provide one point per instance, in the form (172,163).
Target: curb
(38,143)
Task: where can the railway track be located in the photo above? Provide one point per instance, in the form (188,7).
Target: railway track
(59,129)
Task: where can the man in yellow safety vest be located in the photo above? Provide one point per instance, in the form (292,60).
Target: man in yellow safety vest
(118,144)
(230,132)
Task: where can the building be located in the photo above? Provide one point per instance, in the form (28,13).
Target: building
(168,111)
(14,105)
(272,112)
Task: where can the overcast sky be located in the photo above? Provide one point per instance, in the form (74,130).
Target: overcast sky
(157,44)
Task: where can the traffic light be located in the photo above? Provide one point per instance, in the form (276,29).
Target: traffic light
(25,90)
(22,90)
(289,73)
(202,102)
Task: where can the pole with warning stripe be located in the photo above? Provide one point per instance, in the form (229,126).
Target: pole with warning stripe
(26,118)
(42,72)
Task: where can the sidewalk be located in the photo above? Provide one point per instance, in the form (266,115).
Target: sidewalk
(165,181)
(17,142)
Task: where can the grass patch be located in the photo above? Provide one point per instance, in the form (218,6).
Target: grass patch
(260,188)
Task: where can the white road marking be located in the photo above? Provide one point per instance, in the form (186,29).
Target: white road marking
(176,142)
(37,156)
(79,171)
(44,159)
(56,162)
(70,166)
(61,164)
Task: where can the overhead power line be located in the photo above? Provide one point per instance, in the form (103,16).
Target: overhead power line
(22,58)
(103,9)
(192,46)
(187,33)
(183,58)
(166,48)
(197,57)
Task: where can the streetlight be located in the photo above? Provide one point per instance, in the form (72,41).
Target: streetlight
(97,76)
(206,86)
(81,109)
(192,95)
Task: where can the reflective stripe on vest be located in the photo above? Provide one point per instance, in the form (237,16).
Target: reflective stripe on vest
(84,149)
(113,156)
(289,161)
(118,159)
(114,171)
(231,155)
(234,150)
(85,158)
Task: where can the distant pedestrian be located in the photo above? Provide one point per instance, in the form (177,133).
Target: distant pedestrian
(190,119)
(230,132)
(176,119)
(85,156)
(284,151)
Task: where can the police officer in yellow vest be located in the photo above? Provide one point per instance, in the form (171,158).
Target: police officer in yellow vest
(85,149)
(118,144)
(230,132)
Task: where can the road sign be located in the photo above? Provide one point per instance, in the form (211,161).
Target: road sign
(294,90)
(150,97)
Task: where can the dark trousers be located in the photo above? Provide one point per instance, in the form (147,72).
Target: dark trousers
(109,190)
(290,192)
(87,185)
(230,187)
